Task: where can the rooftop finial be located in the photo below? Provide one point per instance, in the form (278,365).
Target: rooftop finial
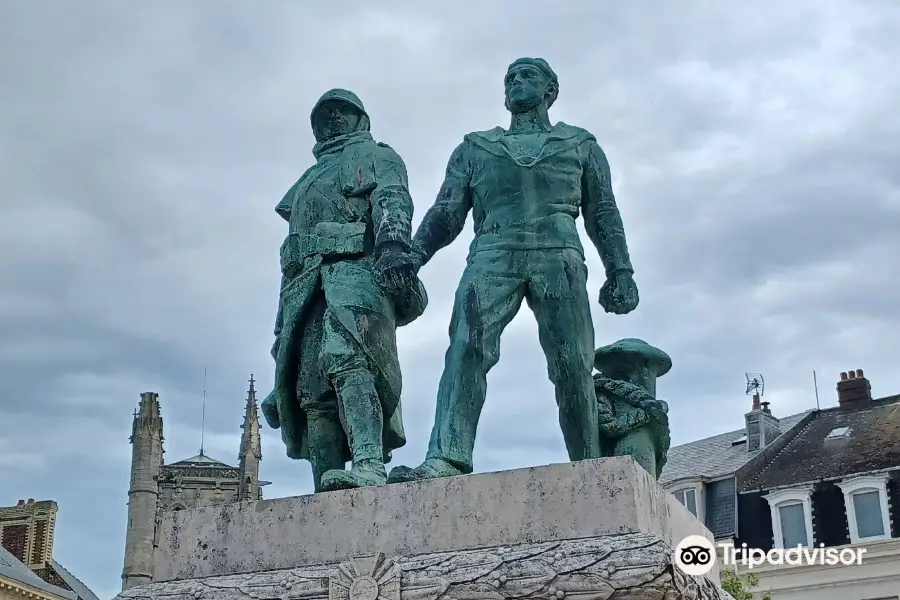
(252,381)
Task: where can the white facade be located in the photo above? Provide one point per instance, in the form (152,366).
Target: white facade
(868,521)
(784,500)
(876,578)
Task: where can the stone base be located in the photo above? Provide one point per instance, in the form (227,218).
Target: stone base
(592,530)
(623,567)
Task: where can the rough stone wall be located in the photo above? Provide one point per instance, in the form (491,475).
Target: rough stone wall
(197,493)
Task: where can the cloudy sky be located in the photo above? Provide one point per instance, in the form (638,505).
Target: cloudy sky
(143,147)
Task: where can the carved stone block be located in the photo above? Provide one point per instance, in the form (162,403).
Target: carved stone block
(588,498)
(366,578)
(591,530)
(619,567)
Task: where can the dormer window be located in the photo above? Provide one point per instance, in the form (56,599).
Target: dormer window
(688,498)
(691,497)
(865,499)
(791,517)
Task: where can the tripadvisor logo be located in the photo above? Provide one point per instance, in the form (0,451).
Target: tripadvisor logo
(696,555)
(799,555)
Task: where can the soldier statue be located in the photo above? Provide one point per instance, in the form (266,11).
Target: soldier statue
(337,378)
(525,186)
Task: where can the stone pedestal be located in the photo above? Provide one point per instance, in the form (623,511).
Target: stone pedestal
(591,530)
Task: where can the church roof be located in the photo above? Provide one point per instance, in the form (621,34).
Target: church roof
(201,460)
(13,568)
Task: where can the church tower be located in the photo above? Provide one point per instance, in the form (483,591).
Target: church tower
(250,452)
(143,493)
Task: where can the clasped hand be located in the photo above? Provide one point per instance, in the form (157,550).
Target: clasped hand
(395,267)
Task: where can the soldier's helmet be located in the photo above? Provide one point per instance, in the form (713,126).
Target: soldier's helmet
(341,95)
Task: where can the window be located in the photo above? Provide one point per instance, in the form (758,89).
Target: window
(791,517)
(690,493)
(793,525)
(865,499)
(688,497)
(867,507)
(838,432)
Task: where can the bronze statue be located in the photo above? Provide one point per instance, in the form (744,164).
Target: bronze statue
(525,186)
(337,379)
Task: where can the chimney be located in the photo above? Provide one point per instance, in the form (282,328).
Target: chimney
(854,391)
(26,531)
(761,426)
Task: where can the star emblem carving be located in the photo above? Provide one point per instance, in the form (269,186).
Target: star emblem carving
(366,578)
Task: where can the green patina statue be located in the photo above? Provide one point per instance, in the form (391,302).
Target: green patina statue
(632,421)
(526,187)
(337,378)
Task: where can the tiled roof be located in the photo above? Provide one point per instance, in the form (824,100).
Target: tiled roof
(872,444)
(714,456)
(201,460)
(14,569)
(84,593)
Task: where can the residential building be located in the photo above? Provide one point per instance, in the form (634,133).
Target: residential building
(17,580)
(701,474)
(26,537)
(823,477)
(195,482)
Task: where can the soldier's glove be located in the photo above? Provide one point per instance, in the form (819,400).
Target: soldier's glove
(395,267)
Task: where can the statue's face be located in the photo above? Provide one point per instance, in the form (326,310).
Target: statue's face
(526,88)
(335,118)
(617,369)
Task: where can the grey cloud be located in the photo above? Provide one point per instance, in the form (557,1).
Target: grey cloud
(143,148)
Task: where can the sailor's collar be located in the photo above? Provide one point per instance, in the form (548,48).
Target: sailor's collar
(562,137)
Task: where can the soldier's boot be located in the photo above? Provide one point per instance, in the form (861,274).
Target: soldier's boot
(364,473)
(326,440)
(363,421)
(431,468)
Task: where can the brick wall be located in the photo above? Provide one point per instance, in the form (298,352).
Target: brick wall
(14,538)
(52,577)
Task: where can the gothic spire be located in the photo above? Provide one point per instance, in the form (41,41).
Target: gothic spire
(147,416)
(250,438)
(251,449)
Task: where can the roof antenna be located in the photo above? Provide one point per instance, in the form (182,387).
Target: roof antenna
(816,386)
(203,417)
(756,385)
